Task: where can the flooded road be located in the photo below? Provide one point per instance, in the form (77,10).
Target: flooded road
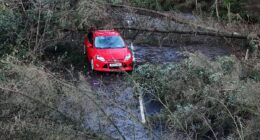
(120,102)
(157,55)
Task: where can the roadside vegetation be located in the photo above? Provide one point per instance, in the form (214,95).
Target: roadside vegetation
(204,98)
(42,96)
(222,9)
(36,104)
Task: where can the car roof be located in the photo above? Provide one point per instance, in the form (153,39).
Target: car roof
(106,33)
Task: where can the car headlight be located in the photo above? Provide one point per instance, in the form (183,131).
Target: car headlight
(100,58)
(128,56)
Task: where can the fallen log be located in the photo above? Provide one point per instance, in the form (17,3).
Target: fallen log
(210,31)
(154,13)
(216,34)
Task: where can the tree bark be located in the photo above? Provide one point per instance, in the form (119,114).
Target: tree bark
(217,13)
(196,4)
(217,34)
(229,12)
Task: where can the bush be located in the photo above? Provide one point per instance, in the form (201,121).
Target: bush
(204,98)
(36,104)
(32,26)
(255,74)
(9,24)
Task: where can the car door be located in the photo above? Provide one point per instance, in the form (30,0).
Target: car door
(89,45)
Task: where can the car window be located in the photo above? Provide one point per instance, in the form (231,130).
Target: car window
(103,42)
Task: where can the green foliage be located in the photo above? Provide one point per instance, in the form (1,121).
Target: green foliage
(30,27)
(33,102)
(253,42)
(9,24)
(8,19)
(236,9)
(255,74)
(65,55)
(234,4)
(204,98)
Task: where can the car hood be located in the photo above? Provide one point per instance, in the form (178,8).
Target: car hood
(113,54)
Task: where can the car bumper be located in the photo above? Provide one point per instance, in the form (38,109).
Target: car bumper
(105,66)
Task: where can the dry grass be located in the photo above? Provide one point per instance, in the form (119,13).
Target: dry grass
(35,104)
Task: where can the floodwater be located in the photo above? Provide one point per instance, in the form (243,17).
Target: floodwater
(120,102)
(157,55)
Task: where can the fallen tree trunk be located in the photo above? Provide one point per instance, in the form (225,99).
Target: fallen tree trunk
(217,34)
(154,13)
(209,30)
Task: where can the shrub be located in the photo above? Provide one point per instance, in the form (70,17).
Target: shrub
(255,74)
(37,104)
(9,24)
(204,98)
(32,26)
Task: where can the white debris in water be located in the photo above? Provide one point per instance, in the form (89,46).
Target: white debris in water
(141,104)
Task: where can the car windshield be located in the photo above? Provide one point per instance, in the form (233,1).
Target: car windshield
(103,42)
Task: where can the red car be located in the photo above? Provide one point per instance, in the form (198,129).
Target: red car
(107,52)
